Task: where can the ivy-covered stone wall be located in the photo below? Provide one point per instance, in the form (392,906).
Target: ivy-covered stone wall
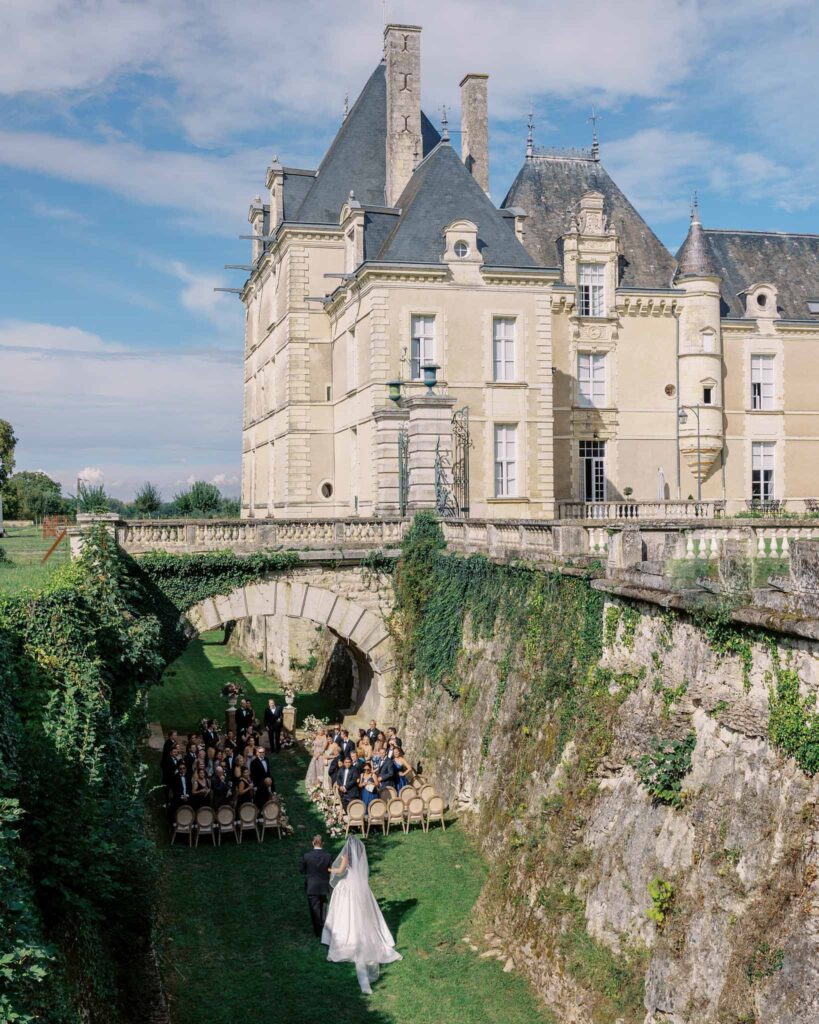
(641,784)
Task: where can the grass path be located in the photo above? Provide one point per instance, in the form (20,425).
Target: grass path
(237,941)
(25,547)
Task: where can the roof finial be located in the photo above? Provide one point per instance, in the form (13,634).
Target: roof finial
(595,147)
(530,134)
(695,208)
(444,125)
(346,106)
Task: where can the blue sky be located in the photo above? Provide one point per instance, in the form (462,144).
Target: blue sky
(133,134)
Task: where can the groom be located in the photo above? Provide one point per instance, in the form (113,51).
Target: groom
(315,866)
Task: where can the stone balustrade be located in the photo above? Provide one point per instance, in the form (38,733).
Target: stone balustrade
(629,510)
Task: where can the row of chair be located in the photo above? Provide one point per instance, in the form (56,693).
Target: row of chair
(398,812)
(225,821)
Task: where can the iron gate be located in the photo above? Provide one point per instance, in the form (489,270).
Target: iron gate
(461,443)
(403,470)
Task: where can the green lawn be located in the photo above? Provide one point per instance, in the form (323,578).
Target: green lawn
(237,940)
(25,547)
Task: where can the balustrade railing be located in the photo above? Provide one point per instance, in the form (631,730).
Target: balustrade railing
(629,510)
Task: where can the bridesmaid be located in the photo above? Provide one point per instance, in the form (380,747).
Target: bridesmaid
(315,770)
(330,755)
(369,786)
(403,770)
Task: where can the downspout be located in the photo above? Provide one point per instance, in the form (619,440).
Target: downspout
(677,416)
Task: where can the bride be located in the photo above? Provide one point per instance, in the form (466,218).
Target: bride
(355,929)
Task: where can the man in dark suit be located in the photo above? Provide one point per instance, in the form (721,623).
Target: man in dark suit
(386,771)
(210,737)
(243,718)
(336,736)
(347,745)
(274,721)
(259,774)
(393,739)
(372,732)
(170,743)
(180,790)
(315,866)
(219,788)
(347,781)
(333,768)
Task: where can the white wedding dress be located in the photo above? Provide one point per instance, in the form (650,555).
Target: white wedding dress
(355,929)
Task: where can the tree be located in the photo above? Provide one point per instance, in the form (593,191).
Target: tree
(8,443)
(148,500)
(92,498)
(202,499)
(29,495)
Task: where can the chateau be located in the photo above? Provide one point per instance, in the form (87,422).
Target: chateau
(408,343)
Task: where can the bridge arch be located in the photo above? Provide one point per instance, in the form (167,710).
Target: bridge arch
(355,620)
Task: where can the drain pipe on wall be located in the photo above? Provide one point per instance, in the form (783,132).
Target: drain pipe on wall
(677,417)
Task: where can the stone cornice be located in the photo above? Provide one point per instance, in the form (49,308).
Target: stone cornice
(534,276)
(646,303)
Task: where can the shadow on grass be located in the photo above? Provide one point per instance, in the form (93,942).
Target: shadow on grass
(395,911)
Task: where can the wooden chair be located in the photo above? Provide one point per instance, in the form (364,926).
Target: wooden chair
(415,812)
(435,810)
(388,793)
(355,817)
(377,815)
(418,782)
(407,793)
(246,821)
(337,801)
(395,813)
(271,818)
(225,822)
(205,824)
(427,793)
(184,823)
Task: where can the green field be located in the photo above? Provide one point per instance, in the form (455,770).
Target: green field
(25,547)
(235,935)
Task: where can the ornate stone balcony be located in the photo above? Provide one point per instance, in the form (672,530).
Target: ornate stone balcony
(630,510)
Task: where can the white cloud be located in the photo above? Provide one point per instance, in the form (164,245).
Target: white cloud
(198,296)
(91,475)
(76,399)
(59,213)
(225,480)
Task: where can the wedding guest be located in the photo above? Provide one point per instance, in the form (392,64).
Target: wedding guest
(238,769)
(331,755)
(200,789)
(243,719)
(167,747)
(378,754)
(369,786)
(393,739)
(190,758)
(403,770)
(315,770)
(264,792)
(181,789)
(210,736)
(364,749)
(347,781)
(335,733)
(260,767)
(220,790)
(386,771)
(229,742)
(373,733)
(274,723)
(244,790)
(347,746)
(210,760)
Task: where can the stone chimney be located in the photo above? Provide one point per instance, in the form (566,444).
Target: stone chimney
(475,128)
(402,53)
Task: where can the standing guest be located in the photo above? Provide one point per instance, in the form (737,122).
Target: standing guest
(403,770)
(181,788)
(364,748)
(243,719)
(229,742)
(386,770)
(210,736)
(347,746)
(335,734)
(210,760)
(260,767)
(315,770)
(244,789)
(167,747)
(274,722)
(252,713)
(369,786)
(238,769)
(169,767)
(331,756)
(249,754)
(200,789)
(372,732)
(347,780)
(378,754)
(219,788)
(393,739)
(190,758)
(315,866)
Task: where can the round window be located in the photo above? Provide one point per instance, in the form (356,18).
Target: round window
(327,490)
(461,249)
(762,299)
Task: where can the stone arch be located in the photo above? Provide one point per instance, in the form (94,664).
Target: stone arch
(359,626)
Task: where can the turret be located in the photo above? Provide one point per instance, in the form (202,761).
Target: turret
(701,400)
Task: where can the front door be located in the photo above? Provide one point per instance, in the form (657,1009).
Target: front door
(593,470)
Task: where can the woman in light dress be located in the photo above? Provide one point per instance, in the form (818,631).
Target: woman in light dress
(355,929)
(330,754)
(315,770)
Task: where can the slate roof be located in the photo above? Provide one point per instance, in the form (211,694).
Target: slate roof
(357,157)
(695,258)
(440,191)
(295,188)
(549,187)
(746,258)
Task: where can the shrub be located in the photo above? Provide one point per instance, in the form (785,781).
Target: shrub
(662,900)
(662,770)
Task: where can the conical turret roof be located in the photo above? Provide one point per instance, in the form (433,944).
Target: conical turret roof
(695,258)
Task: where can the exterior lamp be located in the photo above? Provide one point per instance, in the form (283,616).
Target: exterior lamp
(430,375)
(395,390)
(682,416)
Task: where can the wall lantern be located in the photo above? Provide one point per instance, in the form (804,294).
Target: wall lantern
(430,375)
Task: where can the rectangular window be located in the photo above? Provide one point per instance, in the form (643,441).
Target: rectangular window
(506,446)
(707,396)
(591,289)
(422,348)
(762,470)
(591,377)
(503,348)
(762,382)
(593,470)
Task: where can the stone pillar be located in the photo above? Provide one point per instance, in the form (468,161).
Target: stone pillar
(430,429)
(475,128)
(85,522)
(388,425)
(402,51)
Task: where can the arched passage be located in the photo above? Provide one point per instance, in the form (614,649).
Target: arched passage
(361,627)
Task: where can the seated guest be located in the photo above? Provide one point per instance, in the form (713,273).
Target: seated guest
(219,788)
(200,789)
(244,790)
(403,770)
(369,785)
(347,781)
(373,733)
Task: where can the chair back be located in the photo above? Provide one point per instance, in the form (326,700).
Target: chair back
(205,818)
(225,817)
(356,810)
(415,808)
(184,817)
(247,815)
(377,810)
(388,793)
(271,812)
(436,806)
(418,782)
(427,793)
(407,794)
(396,809)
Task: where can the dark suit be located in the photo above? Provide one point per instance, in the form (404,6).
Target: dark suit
(274,721)
(243,720)
(220,790)
(347,747)
(386,771)
(333,768)
(181,789)
(315,866)
(373,736)
(348,778)
(210,738)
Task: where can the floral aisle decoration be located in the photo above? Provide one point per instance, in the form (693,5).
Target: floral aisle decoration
(311,726)
(333,814)
(284,821)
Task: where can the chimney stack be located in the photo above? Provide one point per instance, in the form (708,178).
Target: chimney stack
(402,54)
(475,128)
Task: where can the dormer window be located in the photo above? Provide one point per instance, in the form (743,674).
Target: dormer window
(813,307)
(461,249)
(591,289)
(761,301)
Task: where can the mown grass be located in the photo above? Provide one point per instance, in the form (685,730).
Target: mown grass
(25,546)
(236,939)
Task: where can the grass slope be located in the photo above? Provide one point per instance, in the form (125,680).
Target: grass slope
(237,942)
(25,547)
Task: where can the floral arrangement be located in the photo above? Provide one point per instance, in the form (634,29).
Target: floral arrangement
(231,690)
(333,814)
(287,828)
(312,724)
